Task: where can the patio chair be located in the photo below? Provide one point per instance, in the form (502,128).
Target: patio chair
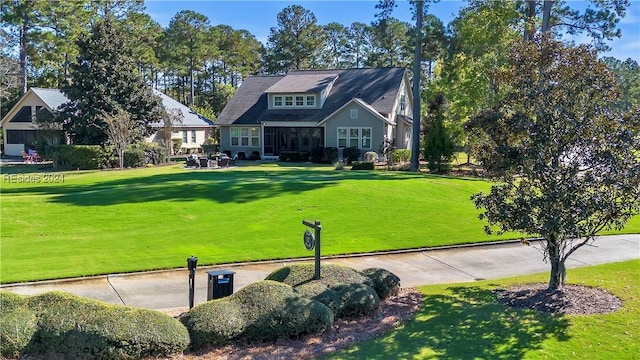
(26,158)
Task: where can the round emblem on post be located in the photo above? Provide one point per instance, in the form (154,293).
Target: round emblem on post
(309,240)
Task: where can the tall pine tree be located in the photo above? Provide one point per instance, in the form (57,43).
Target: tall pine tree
(106,78)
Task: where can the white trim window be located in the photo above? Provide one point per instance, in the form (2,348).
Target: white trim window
(354,137)
(245,136)
(185,137)
(297,101)
(311,100)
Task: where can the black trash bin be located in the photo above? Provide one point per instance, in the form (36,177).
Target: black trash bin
(220,284)
(204,162)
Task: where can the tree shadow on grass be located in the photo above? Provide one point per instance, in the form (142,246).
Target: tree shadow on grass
(217,186)
(466,323)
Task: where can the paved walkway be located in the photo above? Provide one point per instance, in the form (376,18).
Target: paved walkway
(169,289)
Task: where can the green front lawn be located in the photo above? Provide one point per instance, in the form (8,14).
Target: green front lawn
(464,321)
(98,222)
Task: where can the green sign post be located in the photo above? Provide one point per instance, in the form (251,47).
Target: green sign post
(312,241)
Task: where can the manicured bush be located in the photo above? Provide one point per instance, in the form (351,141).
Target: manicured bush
(362,165)
(320,292)
(72,327)
(214,323)
(228,152)
(294,156)
(255,155)
(265,310)
(154,153)
(134,157)
(176,144)
(316,154)
(330,274)
(356,300)
(329,155)
(399,156)
(242,155)
(384,282)
(84,157)
(350,154)
(371,156)
(18,324)
(209,149)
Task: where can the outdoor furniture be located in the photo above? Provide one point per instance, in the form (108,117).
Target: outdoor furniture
(26,158)
(191,162)
(35,157)
(204,162)
(224,161)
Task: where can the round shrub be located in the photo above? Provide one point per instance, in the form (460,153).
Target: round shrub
(72,327)
(320,292)
(265,310)
(18,324)
(356,299)
(330,274)
(384,282)
(214,323)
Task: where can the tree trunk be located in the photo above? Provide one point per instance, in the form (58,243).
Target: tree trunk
(546,15)
(121,158)
(23,60)
(417,62)
(558,271)
(530,20)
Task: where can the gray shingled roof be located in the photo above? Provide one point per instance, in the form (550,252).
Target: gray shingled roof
(51,97)
(302,83)
(377,87)
(54,98)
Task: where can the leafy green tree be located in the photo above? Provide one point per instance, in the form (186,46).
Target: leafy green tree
(575,157)
(599,19)
(359,39)
(628,74)
(44,33)
(105,78)
(438,146)
(337,46)
(186,41)
(292,44)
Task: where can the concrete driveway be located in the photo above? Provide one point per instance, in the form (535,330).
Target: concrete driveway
(169,289)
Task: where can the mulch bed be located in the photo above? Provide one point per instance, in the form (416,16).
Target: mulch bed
(569,299)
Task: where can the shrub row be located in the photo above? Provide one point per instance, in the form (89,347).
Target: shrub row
(265,310)
(362,165)
(89,157)
(61,325)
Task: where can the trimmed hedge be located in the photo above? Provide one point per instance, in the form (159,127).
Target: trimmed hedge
(383,281)
(346,291)
(330,275)
(356,300)
(261,311)
(400,156)
(350,154)
(84,157)
(362,165)
(71,327)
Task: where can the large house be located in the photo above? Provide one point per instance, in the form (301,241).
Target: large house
(20,128)
(306,109)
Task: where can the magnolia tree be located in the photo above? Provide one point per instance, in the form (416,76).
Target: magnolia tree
(565,162)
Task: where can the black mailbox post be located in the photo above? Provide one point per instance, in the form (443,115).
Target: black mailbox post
(192,263)
(220,284)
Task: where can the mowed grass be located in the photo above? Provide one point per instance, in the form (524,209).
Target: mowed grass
(464,321)
(99,222)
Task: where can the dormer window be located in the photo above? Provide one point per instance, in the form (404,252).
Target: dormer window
(311,100)
(294,101)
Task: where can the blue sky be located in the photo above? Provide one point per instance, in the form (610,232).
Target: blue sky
(259,16)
